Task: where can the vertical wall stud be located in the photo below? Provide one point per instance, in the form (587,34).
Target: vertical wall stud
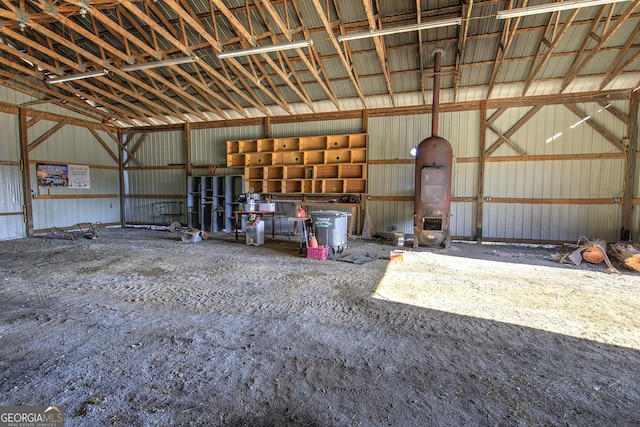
(630,170)
(481,164)
(121,162)
(26,172)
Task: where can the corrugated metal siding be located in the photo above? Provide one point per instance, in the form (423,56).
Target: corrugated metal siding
(150,211)
(71,144)
(555,179)
(553,120)
(10,140)
(11,199)
(13,97)
(156,182)
(391,180)
(49,213)
(387,217)
(74,145)
(161,149)
(209,146)
(393,137)
(327,127)
(551,222)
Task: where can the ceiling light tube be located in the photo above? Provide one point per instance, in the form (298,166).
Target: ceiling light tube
(552,7)
(265,49)
(71,77)
(404,29)
(158,64)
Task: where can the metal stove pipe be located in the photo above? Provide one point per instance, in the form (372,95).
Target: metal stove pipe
(435,110)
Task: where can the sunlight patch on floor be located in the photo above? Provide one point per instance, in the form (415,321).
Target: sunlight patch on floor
(576,302)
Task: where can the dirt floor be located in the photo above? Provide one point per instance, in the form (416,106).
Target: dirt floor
(136,328)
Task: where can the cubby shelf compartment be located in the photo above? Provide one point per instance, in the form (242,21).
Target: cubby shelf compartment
(328,164)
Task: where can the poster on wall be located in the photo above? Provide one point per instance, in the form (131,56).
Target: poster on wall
(59,175)
(79,176)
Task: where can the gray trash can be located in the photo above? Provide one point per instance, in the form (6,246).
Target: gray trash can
(330,228)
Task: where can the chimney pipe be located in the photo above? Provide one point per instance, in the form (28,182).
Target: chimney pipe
(435,110)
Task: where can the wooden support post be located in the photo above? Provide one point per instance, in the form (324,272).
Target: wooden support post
(123,221)
(630,170)
(365,120)
(481,164)
(26,172)
(267,127)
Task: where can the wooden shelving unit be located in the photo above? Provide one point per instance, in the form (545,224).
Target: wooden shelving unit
(331,164)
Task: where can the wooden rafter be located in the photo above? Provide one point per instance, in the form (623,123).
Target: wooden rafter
(251,41)
(463,34)
(336,44)
(283,59)
(315,62)
(183,48)
(217,47)
(168,102)
(84,84)
(542,62)
(606,36)
(114,34)
(284,29)
(380,48)
(615,68)
(48,93)
(507,37)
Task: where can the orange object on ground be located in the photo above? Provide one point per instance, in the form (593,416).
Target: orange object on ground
(593,255)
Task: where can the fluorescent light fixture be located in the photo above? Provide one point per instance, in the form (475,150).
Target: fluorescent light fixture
(554,137)
(404,29)
(71,77)
(265,49)
(552,7)
(158,64)
(578,123)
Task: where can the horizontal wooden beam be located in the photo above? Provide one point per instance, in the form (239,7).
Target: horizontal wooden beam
(392,162)
(155,196)
(526,158)
(551,201)
(512,200)
(147,168)
(600,96)
(78,196)
(11,213)
(62,162)
(544,158)
(52,117)
(9,163)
